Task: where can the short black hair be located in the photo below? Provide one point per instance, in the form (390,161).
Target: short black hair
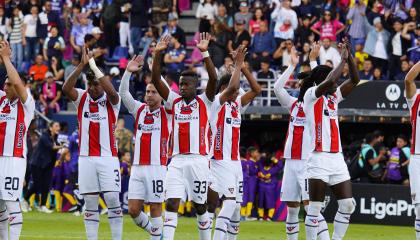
(370,137)
(403,137)
(265,60)
(316,76)
(89,37)
(224,80)
(189,74)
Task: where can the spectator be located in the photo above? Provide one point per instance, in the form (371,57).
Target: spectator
(150,35)
(54,45)
(4,24)
(304,33)
(243,15)
(93,9)
(360,56)
(57,6)
(413,15)
(307,8)
(138,23)
(263,45)
(370,160)
(223,17)
(329,63)
(29,31)
(27,6)
(39,69)
(284,52)
(57,69)
(78,32)
(327,52)
(377,74)
(357,31)
(412,33)
(16,37)
(285,20)
(47,19)
(175,56)
(98,47)
(43,160)
(366,73)
(170,79)
(111,14)
(266,72)
(51,95)
(375,12)
(160,11)
(397,167)
(114,75)
(124,28)
(218,44)
(398,46)
(207,10)
(304,55)
(70,68)
(124,136)
(405,67)
(240,36)
(227,67)
(376,42)
(257,19)
(172,28)
(328,27)
(345,74)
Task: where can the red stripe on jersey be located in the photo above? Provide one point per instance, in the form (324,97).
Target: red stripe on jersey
(235,143)
(334,137)
(164,134)
(94,136)
(414,113)
(145,148)
(112,119)
(203,126)
(218,138)
(184,137)
(136,126)
(318,111)
(20,131)
(80,116)
(171,143)
(297,142)
(290,122)
(3,126)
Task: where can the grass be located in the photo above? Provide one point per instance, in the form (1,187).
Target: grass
(66,226)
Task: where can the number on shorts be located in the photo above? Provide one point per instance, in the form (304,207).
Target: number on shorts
(200,185)
(157,186)
(117,175)
(11,183)
(241,187)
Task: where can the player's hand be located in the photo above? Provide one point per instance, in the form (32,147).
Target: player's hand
(344,53)
(203,44)
(5,50)
(240,56)
(294,57)
(347,45)
(314,54)
(163,43)
(135,64)
(85,56)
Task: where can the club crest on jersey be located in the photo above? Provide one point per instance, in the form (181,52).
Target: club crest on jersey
(148,119)
(231,190)
(6,109)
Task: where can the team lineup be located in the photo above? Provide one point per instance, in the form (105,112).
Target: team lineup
(187,145)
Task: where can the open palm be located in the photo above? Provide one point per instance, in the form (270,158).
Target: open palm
(135,64)
(163,43)
(203,44)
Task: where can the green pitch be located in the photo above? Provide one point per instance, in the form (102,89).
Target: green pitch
(66,226)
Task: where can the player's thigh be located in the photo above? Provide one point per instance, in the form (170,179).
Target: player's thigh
(136,184)
(414,172)
(174,180)
(224,176)
(87,177)
(239,183)
(12,175)
(134,207)
(196,175)
(290,188)
(108,169)
(154,179)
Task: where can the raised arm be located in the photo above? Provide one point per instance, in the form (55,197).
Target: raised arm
(348,85)
(203,45)
(161,46)
(410,86)
(282,95)
(106,84)
(6,53)
(334,75)
(68,86)
(233,85)
(314,54)
(133,66)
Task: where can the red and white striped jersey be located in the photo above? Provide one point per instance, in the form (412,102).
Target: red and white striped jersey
(190,124)
(97,123)
(413,104)
(15,118)
(226,124)
(298,141)
(151,135)
(322,118)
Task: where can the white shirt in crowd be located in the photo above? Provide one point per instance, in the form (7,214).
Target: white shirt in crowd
(396,45)
(329,54)
(30,21)
(206,10)
(380,51)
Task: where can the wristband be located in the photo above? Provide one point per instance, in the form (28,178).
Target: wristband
(95,69)
(205,54)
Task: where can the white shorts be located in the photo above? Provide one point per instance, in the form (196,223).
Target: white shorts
(12,176)
(328,167)
(147,183)
(414,172)
(99,174)
(188,175)
(227,179)
(294,187)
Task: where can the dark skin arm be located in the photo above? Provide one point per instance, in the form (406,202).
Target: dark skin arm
(211,84)
(348,86)
(161,46)
(68,86)
(234,80)
(255,88)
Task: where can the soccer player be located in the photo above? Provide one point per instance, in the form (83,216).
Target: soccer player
(225,165)
(150,153)
(188,171)
(326,165)
(412,95)
(17,111)
(97,114)
(296,150)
